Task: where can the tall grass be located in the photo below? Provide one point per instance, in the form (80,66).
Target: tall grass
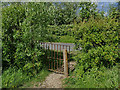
(103,78)
(0,77)
(13,78)
(35,81)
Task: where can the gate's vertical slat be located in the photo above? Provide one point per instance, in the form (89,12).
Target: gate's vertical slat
(60,55)
(44,50)
(54,56)
(63,57)
(57,56)
(69,52)
(51,56)
(46,55)
(66,47)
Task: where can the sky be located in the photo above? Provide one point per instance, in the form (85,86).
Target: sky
(57,0)
(104,0)
(105,6)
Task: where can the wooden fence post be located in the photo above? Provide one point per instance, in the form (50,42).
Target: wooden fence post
(65,62)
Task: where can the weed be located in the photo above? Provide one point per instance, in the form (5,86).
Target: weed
(13,78)
(104,78)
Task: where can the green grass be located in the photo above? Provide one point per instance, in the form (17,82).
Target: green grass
(0,77)
(104,78)
(13,78)
(39,78)
(67,39)
(63,39)
(0,82)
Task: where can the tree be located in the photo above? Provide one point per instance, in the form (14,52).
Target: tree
(12,17)
(114,12)
(24,25)
(118,6)
(66,13)
(87,10)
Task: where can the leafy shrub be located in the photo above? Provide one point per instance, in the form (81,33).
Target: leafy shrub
(99,55)
(23,27)
(12,16)
(99,42)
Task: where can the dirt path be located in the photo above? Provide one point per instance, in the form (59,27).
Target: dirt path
(54,80)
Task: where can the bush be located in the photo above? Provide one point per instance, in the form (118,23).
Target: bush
(12,16)
(99,55)
(99,42)
(23,27)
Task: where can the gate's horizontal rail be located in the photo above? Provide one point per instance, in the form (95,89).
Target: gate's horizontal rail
(51,46)
(56,71)
(55,58)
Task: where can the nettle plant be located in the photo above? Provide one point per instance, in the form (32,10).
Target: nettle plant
(99,42)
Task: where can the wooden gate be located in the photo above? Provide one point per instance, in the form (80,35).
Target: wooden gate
(57,56)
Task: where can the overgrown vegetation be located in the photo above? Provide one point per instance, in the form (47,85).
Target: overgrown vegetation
(98,59)
(24,25)
(94,78)
(62,33)
(99,55)
(99,42)
(13,78)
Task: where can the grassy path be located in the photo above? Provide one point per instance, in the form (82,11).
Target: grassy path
(52,81)
(45,80)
